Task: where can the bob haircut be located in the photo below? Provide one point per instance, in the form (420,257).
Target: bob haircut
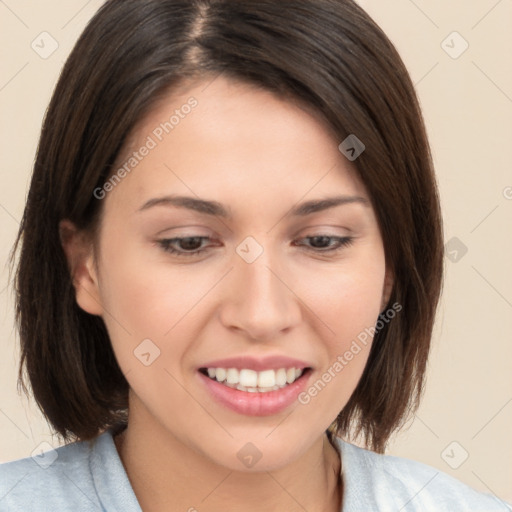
(330,56)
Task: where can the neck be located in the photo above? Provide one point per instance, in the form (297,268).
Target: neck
(167,475)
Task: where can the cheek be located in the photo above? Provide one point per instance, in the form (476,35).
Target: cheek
(345,305)
(347,297)
(142,303)
(150,331)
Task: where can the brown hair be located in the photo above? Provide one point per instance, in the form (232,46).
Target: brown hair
(328,54)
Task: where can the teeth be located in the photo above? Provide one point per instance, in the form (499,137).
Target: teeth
(254,382)
(281,377)
(249,378)
(220,374)
(232,376)
(266,379)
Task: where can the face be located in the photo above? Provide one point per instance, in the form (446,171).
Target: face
(256,287)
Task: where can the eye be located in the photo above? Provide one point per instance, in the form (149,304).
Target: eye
(189,245)
(327,243)
(192,245)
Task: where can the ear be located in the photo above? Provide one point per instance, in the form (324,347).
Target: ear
(80,256)
(389,281)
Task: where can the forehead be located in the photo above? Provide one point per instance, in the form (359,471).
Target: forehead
(233,142)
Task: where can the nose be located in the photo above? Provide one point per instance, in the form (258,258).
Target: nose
(260,300)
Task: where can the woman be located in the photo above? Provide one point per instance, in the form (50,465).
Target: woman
(231,258)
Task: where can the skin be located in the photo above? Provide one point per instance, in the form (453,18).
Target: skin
(258,155)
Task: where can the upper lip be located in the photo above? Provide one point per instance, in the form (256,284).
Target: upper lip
(257,363)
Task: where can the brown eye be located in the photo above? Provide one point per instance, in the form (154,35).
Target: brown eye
(327,243)
(183,246)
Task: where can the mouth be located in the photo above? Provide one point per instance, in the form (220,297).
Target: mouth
(252,381)
(253,385)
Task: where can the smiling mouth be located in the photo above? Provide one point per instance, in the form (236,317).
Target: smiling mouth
(255,382)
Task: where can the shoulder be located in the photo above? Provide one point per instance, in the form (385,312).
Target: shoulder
(56,479)
(407,485)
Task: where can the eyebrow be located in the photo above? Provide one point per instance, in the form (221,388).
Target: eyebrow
(217,209)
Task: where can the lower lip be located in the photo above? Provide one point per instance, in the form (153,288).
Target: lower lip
(256,404)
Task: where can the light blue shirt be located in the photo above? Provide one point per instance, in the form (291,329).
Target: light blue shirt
(89,476)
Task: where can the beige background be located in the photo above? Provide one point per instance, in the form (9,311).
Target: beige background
(467,104)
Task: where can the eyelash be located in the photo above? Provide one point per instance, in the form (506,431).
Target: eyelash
(165,244)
